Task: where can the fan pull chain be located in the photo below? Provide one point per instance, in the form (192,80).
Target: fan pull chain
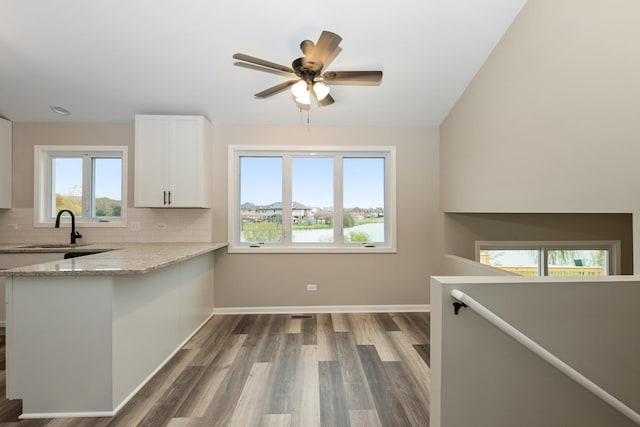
(308,120)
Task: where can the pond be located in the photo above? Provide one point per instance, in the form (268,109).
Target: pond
(374,230)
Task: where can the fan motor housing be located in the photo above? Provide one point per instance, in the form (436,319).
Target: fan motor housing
(306,68)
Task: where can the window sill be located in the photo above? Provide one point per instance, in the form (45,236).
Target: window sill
(80,224)
(265,249)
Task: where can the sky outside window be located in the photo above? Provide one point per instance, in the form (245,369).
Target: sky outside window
(107,171)
(107,176)
(260,180)
(107,187)
(67,184)
(312,181)
(363,182)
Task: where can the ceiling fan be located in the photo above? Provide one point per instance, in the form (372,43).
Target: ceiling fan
(306,74)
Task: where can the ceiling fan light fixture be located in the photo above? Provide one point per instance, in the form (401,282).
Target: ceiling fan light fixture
(304,71)
(321,90)
(300,89)
(304,98)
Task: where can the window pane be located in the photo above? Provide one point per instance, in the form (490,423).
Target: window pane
(363,200)
(260,199)
(573,262)
(519,261)
(107,187)
(67,185)
(312,195)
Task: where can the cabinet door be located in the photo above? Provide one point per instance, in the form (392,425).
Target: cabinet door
(186,156)
(151,145)
(5,164)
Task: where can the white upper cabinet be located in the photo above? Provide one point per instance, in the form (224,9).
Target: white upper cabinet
(5,163)
(172,161)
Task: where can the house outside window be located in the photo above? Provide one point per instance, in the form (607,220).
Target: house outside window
(312,199)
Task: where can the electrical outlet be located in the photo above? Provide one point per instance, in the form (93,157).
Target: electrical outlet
(135,226)
(161,225)
(312,287)
(12,226)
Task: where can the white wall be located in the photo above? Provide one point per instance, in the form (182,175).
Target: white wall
(452,265)
(550,123)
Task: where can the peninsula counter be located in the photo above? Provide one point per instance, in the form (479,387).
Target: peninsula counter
(85,334)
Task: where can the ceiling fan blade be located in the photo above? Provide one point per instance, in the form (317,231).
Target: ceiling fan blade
(352,76)
(327,100)
(264,69)
(275,89)
(325,47)
(262,62)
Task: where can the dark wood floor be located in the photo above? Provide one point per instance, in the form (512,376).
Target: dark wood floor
(280,370)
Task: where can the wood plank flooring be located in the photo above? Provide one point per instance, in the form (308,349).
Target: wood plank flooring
(328,370)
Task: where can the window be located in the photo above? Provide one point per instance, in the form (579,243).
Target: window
(551,258)
(89,181)
(312,199)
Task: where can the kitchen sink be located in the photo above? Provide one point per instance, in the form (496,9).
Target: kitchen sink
(79,254)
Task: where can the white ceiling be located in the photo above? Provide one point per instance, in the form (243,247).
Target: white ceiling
(106,60)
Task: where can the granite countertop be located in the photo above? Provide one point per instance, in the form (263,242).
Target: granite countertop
(112,259)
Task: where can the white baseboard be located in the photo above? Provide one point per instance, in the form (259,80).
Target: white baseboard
(39,415)
(310,309)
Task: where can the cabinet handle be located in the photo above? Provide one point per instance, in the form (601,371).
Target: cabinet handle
(164,197)
(169,197)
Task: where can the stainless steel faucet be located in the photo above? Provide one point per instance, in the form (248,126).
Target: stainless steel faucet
(74,234)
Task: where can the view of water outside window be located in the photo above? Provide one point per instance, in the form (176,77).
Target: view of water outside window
(106,186)
(312,214)
(560,262)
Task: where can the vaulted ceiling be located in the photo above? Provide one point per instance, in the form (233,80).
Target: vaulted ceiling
(107,60)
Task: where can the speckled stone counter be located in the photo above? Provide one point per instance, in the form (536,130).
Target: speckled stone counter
(112,259)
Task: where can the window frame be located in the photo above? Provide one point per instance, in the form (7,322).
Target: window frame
(287,153)
(543,247)
(43,155)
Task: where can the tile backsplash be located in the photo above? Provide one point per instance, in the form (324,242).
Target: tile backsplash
(156,225)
